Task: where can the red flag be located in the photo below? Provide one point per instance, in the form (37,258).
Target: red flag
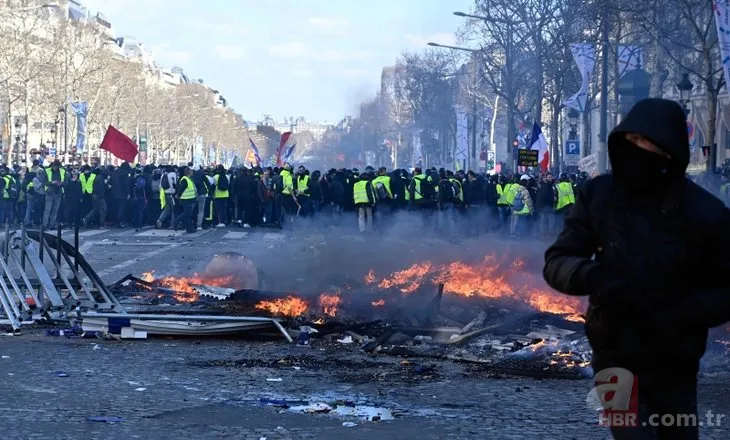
(282,142)
(119,144)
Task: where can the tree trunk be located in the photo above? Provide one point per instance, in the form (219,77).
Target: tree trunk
(555,159)
(711,127)
(585,133)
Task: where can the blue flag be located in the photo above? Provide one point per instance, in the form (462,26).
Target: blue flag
(81,110)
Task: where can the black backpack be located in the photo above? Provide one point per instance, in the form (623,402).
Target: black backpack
(447,192)
(428,190)
(381,193)
(165,182)
(222,182)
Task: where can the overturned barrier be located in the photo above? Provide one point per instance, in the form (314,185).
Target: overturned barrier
(45,277)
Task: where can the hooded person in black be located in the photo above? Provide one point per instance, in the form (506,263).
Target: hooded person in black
(658,281)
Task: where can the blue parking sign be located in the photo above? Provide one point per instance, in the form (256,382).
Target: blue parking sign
(572,147)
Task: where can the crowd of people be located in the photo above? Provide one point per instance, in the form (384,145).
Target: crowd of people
(195,197)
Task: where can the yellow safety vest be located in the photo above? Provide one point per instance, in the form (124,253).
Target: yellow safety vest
(49,173)
(287,182)
(510,192)
(417,186)
(502,193)
(218,193)
(457,184)
(162,198)
(191,192)
(565,195)
(525,206)
(303,186)
(385,180)
(87,185)
(360,192)
(9,180)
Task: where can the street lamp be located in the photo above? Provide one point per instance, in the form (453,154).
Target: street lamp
(573,122)
(473,52)
(685,87)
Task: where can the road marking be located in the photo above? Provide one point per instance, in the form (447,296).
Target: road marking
(273,236)
(89,233)
(235,235)
(160,233)
(128,263)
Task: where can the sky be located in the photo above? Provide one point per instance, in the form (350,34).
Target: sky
(313,58)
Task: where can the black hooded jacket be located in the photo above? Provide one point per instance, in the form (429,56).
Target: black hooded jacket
(666,248)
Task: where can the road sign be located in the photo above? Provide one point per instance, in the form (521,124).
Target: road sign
(52,151)
(572,147)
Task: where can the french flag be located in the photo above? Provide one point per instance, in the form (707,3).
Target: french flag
(255,151)
(539,143)
(289,152)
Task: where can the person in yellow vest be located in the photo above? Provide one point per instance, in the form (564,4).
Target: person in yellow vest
(383,192)
(303,191)
(87,188)
(522,208)
(54,179)
(187,195)
(98,200)
(363,197)
(9,194)
(565,197)
(221,196)
(422,191)
(502,203)
(288,199)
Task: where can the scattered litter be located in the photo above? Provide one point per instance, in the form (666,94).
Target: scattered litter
(104,419)
(345,340)
(277,379)
(60,374)
(5,357)
(312,408)
(96,347)
(349,424)
(133,383)
(140,389)
(297,368)
(345,409)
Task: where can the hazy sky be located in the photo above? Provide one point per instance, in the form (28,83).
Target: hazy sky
(311,58)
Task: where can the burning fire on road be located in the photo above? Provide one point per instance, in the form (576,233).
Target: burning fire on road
(488,279)
(492,278)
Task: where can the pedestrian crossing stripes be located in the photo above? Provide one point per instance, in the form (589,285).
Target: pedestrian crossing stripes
(273,236)
(160,233)
(234,235)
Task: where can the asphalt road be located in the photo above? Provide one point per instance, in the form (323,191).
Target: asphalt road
(181,388)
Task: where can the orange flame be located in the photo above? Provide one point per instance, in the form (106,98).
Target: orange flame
(490,279)
(407,280)
(183,286)
(330,303)
(290,306)
(378,303)
(370,277)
